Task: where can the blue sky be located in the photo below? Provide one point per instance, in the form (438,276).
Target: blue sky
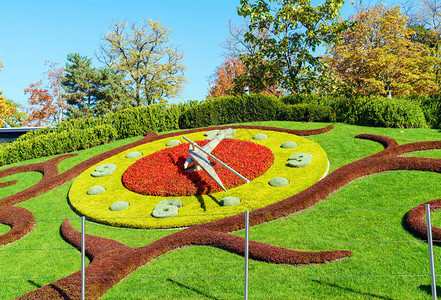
(33,31)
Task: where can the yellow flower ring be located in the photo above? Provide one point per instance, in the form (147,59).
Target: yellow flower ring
(104,197)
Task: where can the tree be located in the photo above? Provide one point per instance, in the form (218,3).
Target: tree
(151,67)
(377,55)
(285,34)
(222,83)
(10,115)
(91,91)
(231,78)
(426,22)
(46,98)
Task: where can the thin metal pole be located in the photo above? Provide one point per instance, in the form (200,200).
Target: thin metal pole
(216,159)
(247,224)
(83,254)
(430,242)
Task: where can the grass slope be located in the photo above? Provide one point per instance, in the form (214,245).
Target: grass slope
(364,217)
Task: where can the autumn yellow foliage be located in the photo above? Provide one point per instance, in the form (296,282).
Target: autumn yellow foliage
(376,55)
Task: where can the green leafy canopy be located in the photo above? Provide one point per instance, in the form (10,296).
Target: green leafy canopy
(285,35)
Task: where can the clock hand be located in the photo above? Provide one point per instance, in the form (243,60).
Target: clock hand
(203,162)
(208,148)
(195,147)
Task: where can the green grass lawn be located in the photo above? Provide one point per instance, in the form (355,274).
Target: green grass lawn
(365,217)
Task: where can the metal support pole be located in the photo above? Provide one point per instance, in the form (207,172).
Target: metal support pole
(247,224)
(430,242)
(83,258)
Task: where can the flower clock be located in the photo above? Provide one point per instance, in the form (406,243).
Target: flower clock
(148,186)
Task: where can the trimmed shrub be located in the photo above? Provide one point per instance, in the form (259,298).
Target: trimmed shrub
(96,190)
(300,160)
(119,205)
(307,113)
(289,145)
(377,112)
(173,143)
(134,154)
(229,201)
(278,182)
(56,143)
(260,136)
(225,110)
(431,107)
(104,170)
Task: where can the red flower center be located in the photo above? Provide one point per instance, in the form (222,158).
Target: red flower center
(162,173)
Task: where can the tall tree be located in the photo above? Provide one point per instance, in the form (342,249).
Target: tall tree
(152,68)
(11,113)
(285,35)
(232,77)
(377,55)
(91,91)
(426,22)
(46,98)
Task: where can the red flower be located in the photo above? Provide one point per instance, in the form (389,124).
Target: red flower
(162,173)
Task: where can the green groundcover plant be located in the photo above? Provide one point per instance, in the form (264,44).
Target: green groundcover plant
(364,220)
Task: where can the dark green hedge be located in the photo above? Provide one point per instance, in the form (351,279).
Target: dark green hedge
(231,109)
(57,143)
(78,134)
(378,112)
(307,113)
(431,106)
(225,110)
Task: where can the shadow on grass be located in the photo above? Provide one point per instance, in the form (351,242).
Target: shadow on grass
(352,290)
(192,289)
(35,284)
(428,289)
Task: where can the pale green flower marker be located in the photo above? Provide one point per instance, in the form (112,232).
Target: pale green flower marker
(96,190)
(300,160)
(278,182)
(119,205)
(104,170)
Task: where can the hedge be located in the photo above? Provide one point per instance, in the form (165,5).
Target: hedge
(225,110)
(76,134)
(128,122)
(377,112)
(307,113)
(57,142)
(83,133)
(232,109)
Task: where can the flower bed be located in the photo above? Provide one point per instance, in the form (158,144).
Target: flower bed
(162,173)
(197,209)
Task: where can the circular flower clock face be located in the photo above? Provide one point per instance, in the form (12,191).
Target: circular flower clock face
(148,187)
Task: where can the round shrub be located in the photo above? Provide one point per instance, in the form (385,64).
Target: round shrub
(167,208)
(174,202)
(260,136)
(300,160)
(95,190)
(229,133)
(104,170)
(212,132)
(165,211)
(173,143)
(229,201)
(119,205)
(288,145)
(278,182)
(134,154)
